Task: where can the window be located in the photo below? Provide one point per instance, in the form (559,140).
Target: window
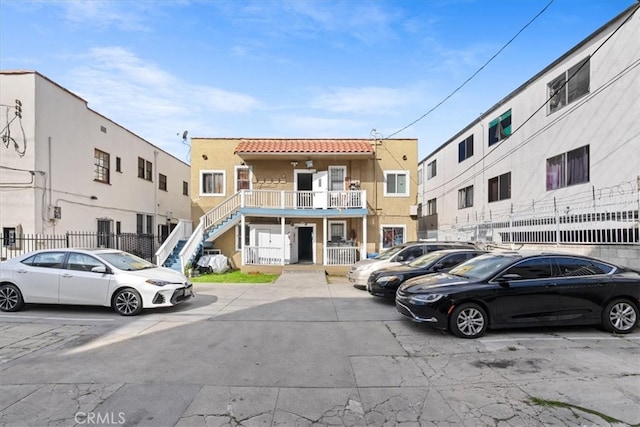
(118,164)
(500,187)
(337,176)
(243,178)
(101,163)
(139,223)
(185,188)
(46,259)
(145,169)
(465,149)
(431,207)
(500,128)
(396,183)
(337,231)
(392,235)
(247,236)
(536,268)
(465,197)
(571,267)
(162,182)
(212,183)
(149,224)
(118,227)
(569,86)
(431,170)
(9,235)
(82,262)
(568,168)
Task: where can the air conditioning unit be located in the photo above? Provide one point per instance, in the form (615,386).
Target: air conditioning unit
(55,212)
(413,210)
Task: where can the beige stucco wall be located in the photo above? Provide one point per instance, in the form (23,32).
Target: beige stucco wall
(278,173)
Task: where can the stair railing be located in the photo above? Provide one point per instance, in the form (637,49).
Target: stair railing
(182,231)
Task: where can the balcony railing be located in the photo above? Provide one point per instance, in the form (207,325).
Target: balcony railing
(303,199)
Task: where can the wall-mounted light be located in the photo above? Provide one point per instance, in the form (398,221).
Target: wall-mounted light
(204,156)
(294,164)
(94,197)
(309,163)
(404,157)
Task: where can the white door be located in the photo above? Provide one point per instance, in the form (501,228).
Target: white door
(79,285)
(320,188)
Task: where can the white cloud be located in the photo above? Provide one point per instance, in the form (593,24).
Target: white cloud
(150,101)
(101,14)
(369,100)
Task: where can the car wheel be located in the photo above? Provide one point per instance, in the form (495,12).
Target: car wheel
(620,316)
(127,302)
(468,321)
(10,298)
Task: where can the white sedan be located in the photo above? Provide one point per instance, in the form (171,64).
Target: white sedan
(106,277)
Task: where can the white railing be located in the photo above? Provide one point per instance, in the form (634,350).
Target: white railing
(274,199)
(260,255)
(188,252)
(221,212)
(182,231)
(342,255)
(603,217)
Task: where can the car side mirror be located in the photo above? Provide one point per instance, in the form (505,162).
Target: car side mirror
(438,267)
(99,269)
(506,278)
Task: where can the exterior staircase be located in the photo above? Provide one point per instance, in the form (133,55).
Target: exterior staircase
(173,262)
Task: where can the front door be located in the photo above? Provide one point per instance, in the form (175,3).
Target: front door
(304,185)
(305,244)
(320,188)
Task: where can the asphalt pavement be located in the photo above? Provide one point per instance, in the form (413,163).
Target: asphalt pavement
(305,350)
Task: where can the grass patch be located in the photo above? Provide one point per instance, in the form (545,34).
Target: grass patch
(573,408)
(235,276)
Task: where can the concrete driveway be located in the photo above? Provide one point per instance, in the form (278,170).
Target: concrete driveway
(303,352)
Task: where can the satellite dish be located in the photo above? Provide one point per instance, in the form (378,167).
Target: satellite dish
(184,134)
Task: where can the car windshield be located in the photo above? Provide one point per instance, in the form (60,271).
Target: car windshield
(425,260)
(125,261)
(390,252)
(481,267)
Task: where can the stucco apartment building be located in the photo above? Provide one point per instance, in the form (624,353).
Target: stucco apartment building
(553,165)
(265,203)
(66,168)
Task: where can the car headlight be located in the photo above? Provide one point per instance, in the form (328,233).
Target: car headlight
(428,298)
(157,282)
(387,279)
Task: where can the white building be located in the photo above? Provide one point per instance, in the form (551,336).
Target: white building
(557,161)
(66,168)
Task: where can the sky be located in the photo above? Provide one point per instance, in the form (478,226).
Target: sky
(293,68)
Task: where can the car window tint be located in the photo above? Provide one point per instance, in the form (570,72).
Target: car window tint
(454,259)
(81,262)
(46,260)
(571,267)
(412,252)
(535,268)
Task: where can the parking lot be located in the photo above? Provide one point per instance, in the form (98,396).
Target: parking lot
(303,351)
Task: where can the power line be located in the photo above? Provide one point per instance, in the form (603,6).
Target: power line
(537,133)
(472,75)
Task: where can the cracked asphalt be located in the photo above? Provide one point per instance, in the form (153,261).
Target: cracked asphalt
(303,352)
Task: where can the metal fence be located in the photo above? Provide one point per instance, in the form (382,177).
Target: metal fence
(602,217)
(142,245)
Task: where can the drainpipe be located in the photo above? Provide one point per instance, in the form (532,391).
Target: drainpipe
(155,192)
(50,185)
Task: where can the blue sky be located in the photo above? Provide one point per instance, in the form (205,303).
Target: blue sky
(304,68)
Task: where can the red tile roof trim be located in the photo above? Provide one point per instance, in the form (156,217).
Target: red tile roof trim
(305,146)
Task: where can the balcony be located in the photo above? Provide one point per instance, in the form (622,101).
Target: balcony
(274,199)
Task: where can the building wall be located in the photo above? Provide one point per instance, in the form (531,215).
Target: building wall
(278,173)
(605,119)
(62,134)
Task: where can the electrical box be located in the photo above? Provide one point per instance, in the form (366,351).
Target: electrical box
(55,212)
(413,210)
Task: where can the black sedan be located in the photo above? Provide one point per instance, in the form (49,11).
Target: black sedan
(516,290)
(385,282)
